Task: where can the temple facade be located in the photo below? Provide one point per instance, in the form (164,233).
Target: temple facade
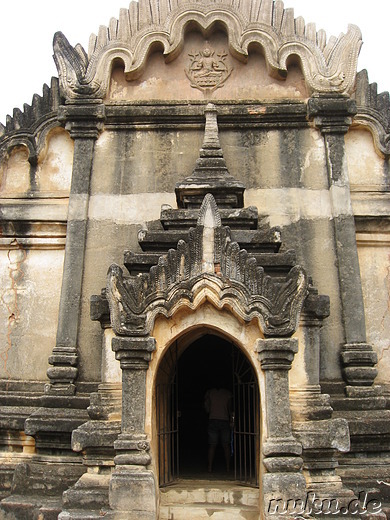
(200,199)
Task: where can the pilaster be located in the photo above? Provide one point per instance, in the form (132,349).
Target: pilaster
(133,493)
(333,116)
(84,121)
(281,451)
(307,400)
(95,439)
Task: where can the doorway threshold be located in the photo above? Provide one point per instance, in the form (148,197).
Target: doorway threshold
(199,499)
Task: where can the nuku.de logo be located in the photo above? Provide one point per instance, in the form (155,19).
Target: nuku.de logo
(296,508)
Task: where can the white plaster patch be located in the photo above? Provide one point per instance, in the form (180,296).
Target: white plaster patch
(135,208)
(104,138)
(285,206)
(78,206)
(314,158)
(55,170)
(365,166)
(341,200)
(111,370)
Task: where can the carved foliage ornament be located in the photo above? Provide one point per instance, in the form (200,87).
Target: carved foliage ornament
(210,264)
(329,66)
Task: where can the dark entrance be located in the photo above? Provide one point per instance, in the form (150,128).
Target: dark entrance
(183,380)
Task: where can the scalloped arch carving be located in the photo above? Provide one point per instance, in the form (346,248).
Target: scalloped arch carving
(373,112)
(329,66)
(31,126)
(209,267)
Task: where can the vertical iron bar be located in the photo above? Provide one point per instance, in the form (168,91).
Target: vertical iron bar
(176,382)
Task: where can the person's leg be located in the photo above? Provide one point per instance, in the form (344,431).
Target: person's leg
(225,440)
(211,454)
(213,441)
(226,450)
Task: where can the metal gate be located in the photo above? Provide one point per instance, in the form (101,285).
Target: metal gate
(246,433)
(167,418)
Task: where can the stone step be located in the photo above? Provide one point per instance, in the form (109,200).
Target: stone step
(209,512)
(89,493)
(209,492)
(75,514)
(17,507)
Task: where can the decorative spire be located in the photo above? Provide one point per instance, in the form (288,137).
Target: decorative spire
(210,174)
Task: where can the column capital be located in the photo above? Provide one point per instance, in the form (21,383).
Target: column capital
(331,114)
(276,353)
(83,120)
(133,352)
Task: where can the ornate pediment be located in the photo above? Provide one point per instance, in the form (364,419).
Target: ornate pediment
(329,65)
(209,265)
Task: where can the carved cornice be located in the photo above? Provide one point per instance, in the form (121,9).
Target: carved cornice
(276,353)
(328,66)
(209,266)
(30,127)
(331,114)
(83,120)
(374,112)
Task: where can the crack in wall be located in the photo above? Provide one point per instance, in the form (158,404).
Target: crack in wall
(9,298)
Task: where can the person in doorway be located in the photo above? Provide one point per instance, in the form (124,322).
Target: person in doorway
(219,406)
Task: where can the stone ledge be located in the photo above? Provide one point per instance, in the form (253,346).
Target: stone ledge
(33,209)
(326,434)
(55,420)
(373,422)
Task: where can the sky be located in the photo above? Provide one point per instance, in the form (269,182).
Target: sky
(27,28)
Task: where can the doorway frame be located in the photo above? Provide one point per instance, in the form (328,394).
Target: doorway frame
(179,346)
(185,329)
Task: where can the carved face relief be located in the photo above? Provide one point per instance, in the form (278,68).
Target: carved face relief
(208,70)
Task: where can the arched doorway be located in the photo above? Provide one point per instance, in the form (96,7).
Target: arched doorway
(185,374)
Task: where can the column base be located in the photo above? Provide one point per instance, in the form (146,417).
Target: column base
(359,362)
(282,491)
(90,493)
(133,493)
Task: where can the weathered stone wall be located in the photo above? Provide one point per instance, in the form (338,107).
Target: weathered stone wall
(134,172)
(370,177)
(34,213)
